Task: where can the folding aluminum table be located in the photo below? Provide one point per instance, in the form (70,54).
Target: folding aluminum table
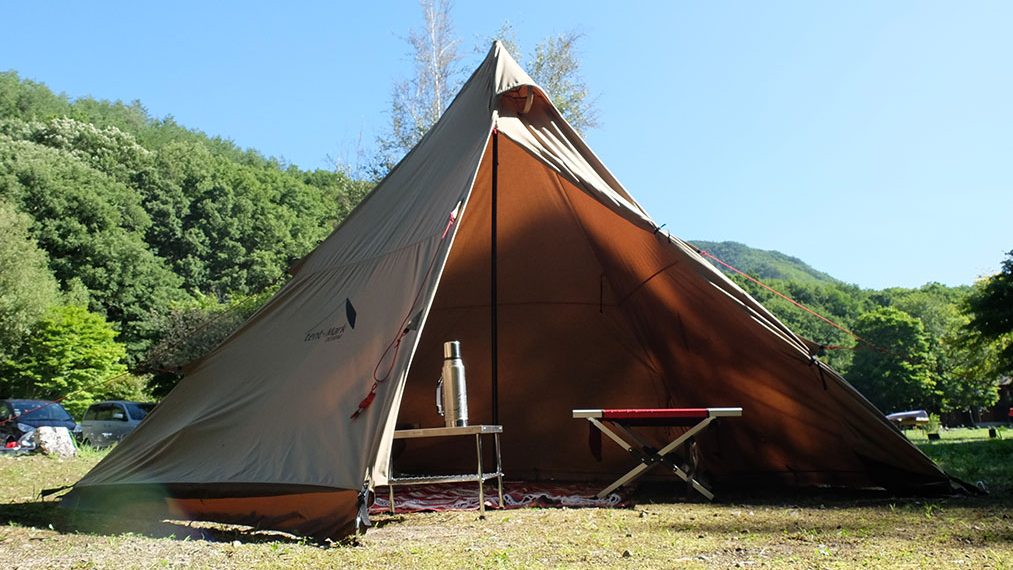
(480,476)
(616,424)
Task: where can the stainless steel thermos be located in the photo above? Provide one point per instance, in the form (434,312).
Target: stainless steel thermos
(452,389)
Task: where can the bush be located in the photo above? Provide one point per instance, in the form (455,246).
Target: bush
(71,354)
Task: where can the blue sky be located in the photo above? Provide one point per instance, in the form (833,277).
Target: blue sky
(870,139)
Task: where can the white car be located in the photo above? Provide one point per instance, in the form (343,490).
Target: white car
(105,423)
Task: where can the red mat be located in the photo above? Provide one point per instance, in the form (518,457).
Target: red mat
(516,494)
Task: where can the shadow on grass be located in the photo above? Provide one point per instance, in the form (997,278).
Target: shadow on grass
(821,514)
(48,515)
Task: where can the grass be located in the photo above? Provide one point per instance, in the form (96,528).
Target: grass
(822,530)
(969,454)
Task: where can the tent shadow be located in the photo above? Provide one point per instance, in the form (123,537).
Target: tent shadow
(47,515)
(828,497)
(849,512)
(858,519)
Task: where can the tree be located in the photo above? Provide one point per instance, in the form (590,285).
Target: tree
(417,103)
(556,68)
(990,308)
(230,228)
(27,286)
(93,229)
(894,366)
(136,213)
(965,363)
(25,99)
(69,355)
(838,302)
(969,382)
(191,330)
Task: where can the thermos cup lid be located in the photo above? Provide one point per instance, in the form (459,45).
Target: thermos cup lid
(451,349)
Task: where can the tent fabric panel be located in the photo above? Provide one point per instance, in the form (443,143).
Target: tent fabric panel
(551,285)
(315,512)
(695,345)
(547,136)
(428,182)
(273,404)
(597,308)
(709,345)
(246,425)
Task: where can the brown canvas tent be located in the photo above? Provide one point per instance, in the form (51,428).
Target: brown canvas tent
(592,306)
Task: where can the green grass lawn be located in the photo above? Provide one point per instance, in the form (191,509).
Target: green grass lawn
(804,530)
(969,454)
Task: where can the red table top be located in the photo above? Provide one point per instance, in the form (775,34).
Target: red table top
(656,413)
(653,413)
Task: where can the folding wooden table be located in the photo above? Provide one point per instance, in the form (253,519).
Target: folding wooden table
(616,423)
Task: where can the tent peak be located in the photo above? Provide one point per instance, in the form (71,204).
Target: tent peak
(509,74)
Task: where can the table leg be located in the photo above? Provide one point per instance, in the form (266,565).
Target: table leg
(499,469)
(689,479)
(630,476)
(481,481)
(647,460)
(391,487)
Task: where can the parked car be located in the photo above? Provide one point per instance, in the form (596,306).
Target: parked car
(19,418)
(105,423)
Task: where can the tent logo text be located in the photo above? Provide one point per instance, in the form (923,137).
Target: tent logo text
(334,332)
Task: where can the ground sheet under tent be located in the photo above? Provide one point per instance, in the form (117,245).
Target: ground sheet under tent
(516,494)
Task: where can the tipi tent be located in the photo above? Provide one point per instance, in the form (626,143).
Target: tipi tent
(501,229)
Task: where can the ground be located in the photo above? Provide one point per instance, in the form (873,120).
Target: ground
(800,531)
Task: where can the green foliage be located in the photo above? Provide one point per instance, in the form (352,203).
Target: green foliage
(974,362)
(93,229)
(894,368)
(234,228)
(27,286)
(190,331)
(961,363)
(69,354)
(936,305)
(28,99)
(137,214)
(555,66)
(990,308)
(969,381)
(964,365)
(418,101)
(762,264)
(837,301)
(125,387)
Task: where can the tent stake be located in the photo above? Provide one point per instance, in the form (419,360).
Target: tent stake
(494,333)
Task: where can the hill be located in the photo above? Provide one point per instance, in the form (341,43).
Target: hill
(764,264)
(138,216)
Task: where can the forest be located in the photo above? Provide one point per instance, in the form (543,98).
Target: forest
(130,245)
(923,348)
(121,235)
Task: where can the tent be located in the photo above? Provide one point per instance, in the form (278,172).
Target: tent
(500,229)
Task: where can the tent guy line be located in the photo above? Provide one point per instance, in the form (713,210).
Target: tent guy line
(706,253)
(405,328)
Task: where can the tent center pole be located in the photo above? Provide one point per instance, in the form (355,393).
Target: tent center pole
(494,294)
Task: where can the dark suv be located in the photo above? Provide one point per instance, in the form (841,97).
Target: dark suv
(19,418)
